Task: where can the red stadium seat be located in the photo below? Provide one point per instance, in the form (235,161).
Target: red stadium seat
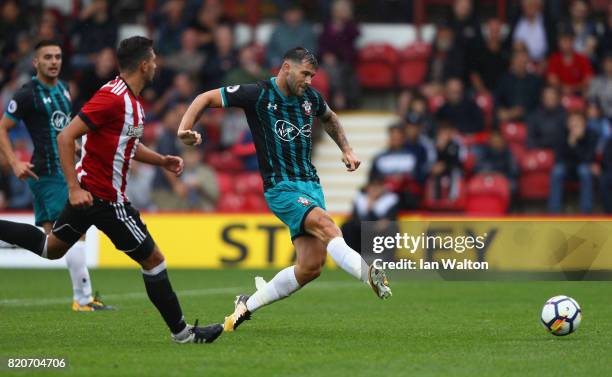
(435,103)
(534,182)
(321,83)
(231,202)
(514,132)
(246,183)
(255,203)
(224,161)
(226,183)
(413,65)
(488,194)
(377,66)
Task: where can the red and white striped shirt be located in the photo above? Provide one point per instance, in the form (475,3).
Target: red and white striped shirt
(116,119)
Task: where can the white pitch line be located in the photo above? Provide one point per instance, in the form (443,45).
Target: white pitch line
(142,295)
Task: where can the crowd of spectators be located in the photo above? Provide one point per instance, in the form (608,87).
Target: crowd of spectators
(544,69)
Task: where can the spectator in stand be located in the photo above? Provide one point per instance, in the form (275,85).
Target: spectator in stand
(567,69)
(4,189)
(245,150)
(466,26)
(183,90)
(604,44)
(338,53)
(12,24)
(460,110)
(94,31)
(170,23)
(418,106)
(290,32)
(196,189)
(140,185)
(598,124)
(248,69)
(518,91)
(188,59)
(208,18)
(574,156)
(491,62)
(91,79)
(606,177)
(584,29)
(376,204)
(546,125)
(167,144)
(600,88)
(404,165)
(496,157)
(446,61)
(535,30)
(448,168)
(223,57)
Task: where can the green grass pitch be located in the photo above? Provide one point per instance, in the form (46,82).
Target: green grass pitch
(333,327)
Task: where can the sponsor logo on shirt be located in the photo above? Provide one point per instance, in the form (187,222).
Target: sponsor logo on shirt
(288,131)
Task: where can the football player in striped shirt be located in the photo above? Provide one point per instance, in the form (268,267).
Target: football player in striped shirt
(111,125)
(280,113)
(43,104)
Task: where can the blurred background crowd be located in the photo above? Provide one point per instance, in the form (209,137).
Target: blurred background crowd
(503,106)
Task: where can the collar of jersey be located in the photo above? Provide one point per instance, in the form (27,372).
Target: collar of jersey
(127,86)
(292,99)
(34,78)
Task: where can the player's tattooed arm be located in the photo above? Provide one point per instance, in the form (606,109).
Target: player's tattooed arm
(334,129)
(212,98)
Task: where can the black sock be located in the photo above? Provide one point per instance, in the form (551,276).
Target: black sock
(163,297)
(23,235)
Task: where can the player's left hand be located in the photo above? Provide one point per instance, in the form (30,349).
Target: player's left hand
(173,164)
(350,161)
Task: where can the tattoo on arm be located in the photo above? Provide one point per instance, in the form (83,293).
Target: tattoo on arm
(334,129)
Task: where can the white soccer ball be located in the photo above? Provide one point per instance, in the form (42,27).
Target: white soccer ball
(561,315)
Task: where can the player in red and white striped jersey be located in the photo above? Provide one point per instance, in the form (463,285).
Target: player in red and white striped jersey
(111,124)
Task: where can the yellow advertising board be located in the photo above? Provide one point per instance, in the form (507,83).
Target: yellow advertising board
(213,241)
(262,241)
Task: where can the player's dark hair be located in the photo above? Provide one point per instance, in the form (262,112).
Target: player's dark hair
(133,51)
(301,55)
(45,43)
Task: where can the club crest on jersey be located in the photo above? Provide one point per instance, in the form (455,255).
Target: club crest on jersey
(288,131)
(272,106)
(59,120)
(303,201)
(307,107)
(135,131)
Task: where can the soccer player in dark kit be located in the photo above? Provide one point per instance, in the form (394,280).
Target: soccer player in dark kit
(280,114)
(111,124)
(44,105)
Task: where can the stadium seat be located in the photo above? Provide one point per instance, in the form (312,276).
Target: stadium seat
(534,181)
(488,194)
(413,65)
(376,67)
(514,132)
(255,203)
(231,202)
(435,103)
(444,203)
(246,183)
(226,183)
(321,83)
(224,161)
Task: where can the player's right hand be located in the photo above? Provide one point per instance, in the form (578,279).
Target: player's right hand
(190,137)
(80,198)
(23,170)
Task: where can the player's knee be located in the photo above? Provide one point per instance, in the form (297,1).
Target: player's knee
(308,273)
(325,228)
(153,260)
(56,249)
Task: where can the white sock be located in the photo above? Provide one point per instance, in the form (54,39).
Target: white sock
(281,286)
(348,259)
(79,274)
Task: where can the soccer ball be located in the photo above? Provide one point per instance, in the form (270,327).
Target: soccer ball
(561,315)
